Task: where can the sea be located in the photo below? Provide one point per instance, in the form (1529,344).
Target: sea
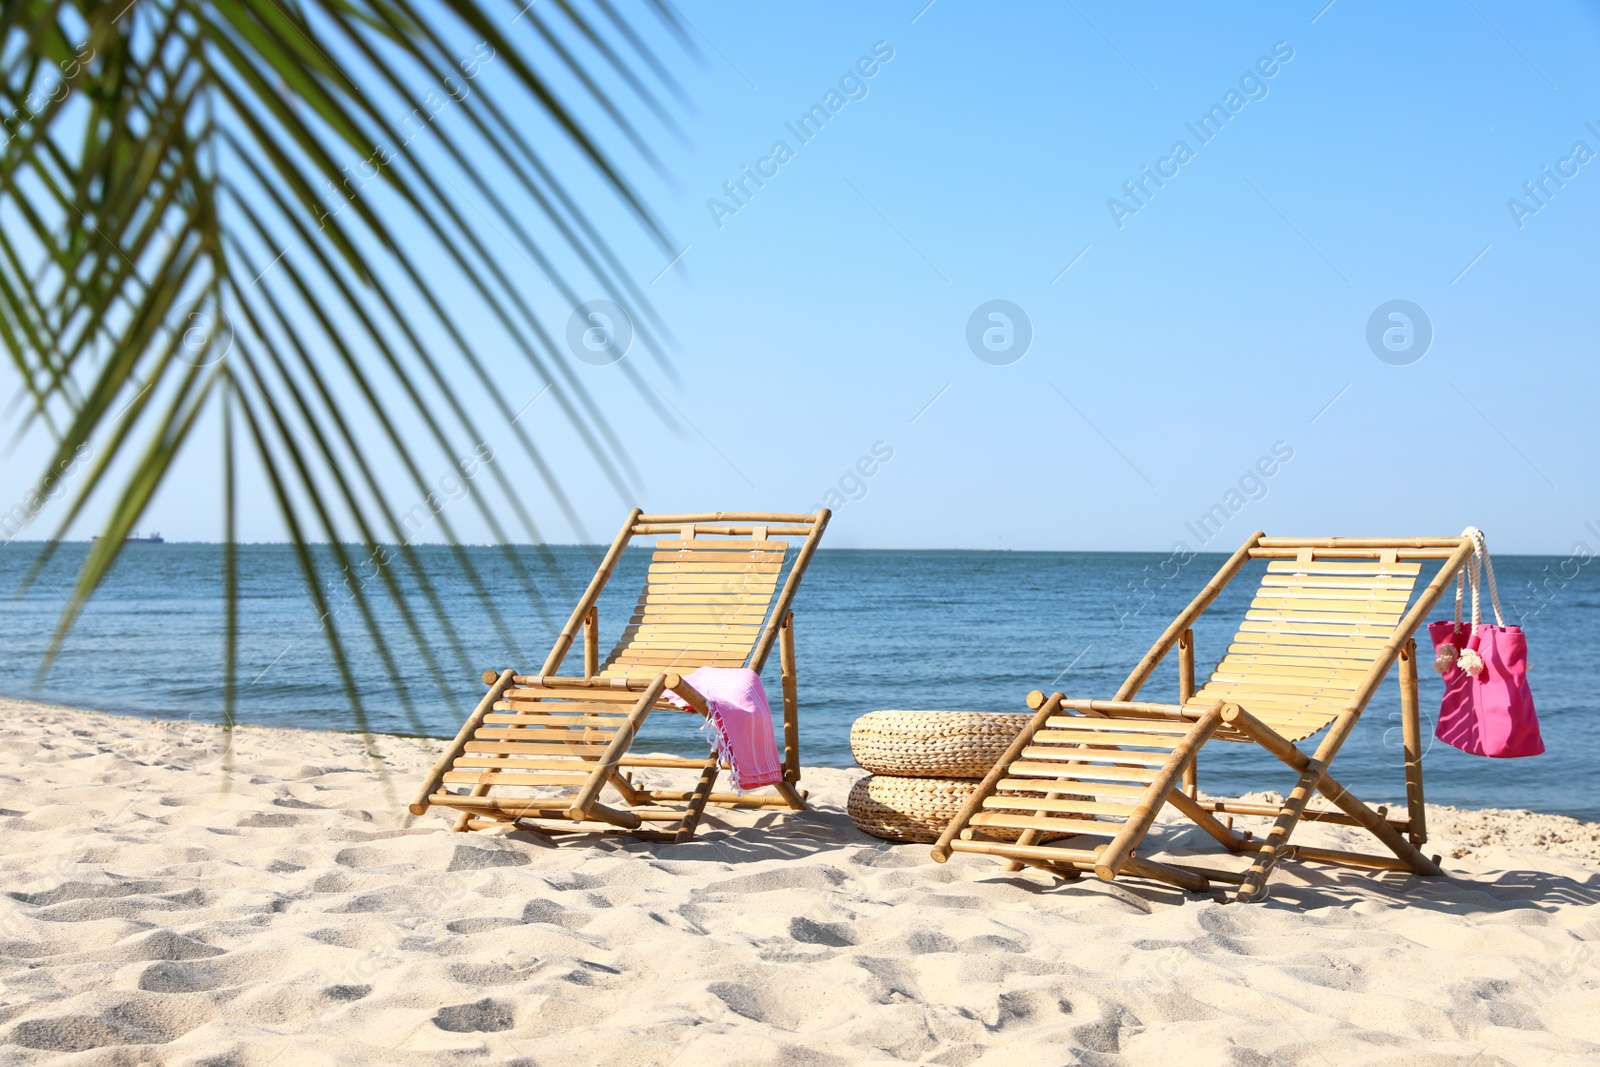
(960,630)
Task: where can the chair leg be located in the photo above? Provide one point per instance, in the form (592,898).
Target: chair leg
(465,817)
(697,801)
(1191,773)
(1314,778)
(796,798)
(1277,839)
(631,795)
(791,701)
(1411,730)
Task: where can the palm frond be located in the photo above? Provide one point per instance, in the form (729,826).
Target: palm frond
(243,207)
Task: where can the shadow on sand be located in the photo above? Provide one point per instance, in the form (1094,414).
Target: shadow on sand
(788,835)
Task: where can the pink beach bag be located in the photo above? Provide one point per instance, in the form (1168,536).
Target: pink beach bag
(1487,708)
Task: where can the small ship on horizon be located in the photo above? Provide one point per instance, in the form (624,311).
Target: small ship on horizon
(135,539)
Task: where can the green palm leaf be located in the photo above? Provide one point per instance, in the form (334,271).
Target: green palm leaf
(242,206)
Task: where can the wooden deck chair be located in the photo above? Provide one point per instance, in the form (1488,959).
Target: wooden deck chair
(1330,619)
(540,750)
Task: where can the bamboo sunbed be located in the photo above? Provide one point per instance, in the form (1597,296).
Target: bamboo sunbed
(540,751)
(1331,617)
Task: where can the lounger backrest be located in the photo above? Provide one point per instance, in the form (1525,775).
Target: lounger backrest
(1312,633)
(704,604)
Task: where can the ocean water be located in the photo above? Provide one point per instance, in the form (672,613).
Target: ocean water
(874,629)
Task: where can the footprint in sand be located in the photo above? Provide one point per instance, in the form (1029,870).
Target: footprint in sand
(346,993)
(87,891)
(819,876)
(472,858)
(165,945)
(484,1016)
(810,932)
(758,1003)
(481,924)
(132,1022)
(548,911)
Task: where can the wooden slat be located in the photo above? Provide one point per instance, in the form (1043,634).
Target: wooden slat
(1296,619)
(678,624)
(1352,567)
(1107,737)
(728,543)
(749,592)
(1289,576)
(1353,631)
(1092,723)
(692,647)
(691,635)
(1044,822)
(719,558)
(1291,690)
(690,612)
(1071,762)
(1070,785)
(509,778)
(689,646)
(1365,588)
(696,597)
(509,719)
(1353,659)
(571,767)
(658,570)
(536,748)
(511,804)
(735,581)
(713,593)
(692,629)
(1301,685)
(556,736)
(1293,726)
(1071,773)
(596,701)
(1281,642)
(533,713)
(667,658)
(1335,672)
(531,705)
(1070,807)
(1282,704)
(1303,602)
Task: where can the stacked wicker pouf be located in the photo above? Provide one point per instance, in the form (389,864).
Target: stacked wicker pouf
(924,765)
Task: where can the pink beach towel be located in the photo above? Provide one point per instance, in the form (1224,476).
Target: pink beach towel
(740,724)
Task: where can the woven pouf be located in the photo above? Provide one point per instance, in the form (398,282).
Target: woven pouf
(933,744)
(906,809)
(914,809)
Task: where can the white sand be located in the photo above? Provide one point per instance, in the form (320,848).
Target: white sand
(149,917)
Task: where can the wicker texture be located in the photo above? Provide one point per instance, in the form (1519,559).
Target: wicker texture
(933,744)
(915,809)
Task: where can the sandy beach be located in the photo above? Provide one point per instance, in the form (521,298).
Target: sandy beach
(160,908)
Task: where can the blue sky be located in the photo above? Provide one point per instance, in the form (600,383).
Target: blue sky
(1171,354)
